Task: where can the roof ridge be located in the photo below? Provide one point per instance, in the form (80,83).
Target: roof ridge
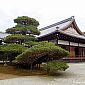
(58,23)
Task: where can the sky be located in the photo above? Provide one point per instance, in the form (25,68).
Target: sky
(47,12)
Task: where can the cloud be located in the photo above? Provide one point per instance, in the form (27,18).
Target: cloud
(45,11)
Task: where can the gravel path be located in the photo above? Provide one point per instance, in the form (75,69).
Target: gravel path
(75,75)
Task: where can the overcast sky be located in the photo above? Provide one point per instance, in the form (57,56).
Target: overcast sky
(46,12)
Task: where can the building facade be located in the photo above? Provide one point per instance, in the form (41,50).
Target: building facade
(66,34)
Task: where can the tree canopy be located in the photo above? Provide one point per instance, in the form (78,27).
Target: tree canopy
(54,66)
(25,26)
(18,38)
(25,20)
(43,49)
(11,51)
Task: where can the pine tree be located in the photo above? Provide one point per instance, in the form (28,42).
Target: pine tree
(24,30)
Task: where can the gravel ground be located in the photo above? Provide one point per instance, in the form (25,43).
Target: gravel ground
(75,75)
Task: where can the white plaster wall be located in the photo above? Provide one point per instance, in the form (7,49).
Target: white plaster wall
(81,45)
(73,44)
(63,42)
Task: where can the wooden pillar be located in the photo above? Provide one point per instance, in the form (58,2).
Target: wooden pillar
(69,46)
(82,51)
(57,40)
(78,49)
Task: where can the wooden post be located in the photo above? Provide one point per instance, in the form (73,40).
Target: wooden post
(69,46)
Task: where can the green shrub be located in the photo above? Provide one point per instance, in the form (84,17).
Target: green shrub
(31,43)
(18,37)
(54,66)
(11,50)
(46,49)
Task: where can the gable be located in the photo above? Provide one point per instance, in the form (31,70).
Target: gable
(71,30)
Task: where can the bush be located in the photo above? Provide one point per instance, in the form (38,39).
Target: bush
(54,66)
(18,37)
(11,51)
(46,49)
(31,43)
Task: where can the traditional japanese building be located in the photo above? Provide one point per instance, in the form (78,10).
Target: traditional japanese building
(66,34)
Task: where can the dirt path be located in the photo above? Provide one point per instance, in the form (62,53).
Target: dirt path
(75,75)
(7,76)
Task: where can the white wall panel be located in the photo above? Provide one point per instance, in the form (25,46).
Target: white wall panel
(73,44)
(63,42)
(81,45)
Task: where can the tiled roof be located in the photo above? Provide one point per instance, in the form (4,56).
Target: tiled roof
(58,23)
(62,25)
(51,28)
